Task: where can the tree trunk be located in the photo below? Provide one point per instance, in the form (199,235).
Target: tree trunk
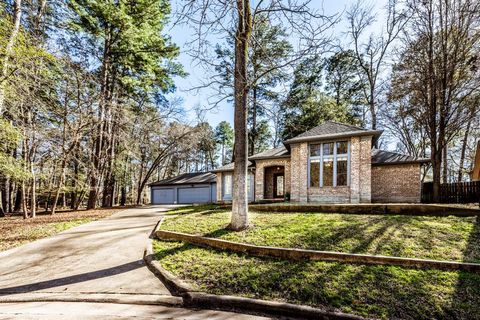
(33,201)
(17,15)
(239,219)
(463,151)
(60,185)
(2,197)
(253,130)
(445,165)
(99,141)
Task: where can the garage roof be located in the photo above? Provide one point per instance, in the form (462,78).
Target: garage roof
(188,178)
(387,157)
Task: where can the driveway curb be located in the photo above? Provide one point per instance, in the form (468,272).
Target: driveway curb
(197,299)
(137,299)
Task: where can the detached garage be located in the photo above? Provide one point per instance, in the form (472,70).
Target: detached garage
(199,187)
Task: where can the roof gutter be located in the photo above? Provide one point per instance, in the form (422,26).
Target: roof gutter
(272,157)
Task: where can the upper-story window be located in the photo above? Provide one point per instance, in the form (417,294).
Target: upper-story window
(329,164)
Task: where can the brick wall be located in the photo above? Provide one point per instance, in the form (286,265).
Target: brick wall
(329,194)
(219,186)
(360,175)
(396,183)
(360,169)
(260,166)
(299,175)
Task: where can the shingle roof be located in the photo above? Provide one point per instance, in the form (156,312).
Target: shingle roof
(231,166)
(387,157)
(331,129)
(188,178)
(279,152)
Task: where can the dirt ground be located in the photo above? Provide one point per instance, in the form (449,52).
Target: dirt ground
(15,231)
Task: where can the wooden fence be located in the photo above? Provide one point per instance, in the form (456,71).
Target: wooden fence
(459,192)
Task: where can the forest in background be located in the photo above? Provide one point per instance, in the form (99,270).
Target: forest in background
(85,119)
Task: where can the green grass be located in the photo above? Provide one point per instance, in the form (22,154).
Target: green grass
(373,291)
(440,238)
(204,208)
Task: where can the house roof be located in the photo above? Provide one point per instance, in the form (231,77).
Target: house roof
(188,178)
(386,157)
(330,130)
(231,166)
(280,152)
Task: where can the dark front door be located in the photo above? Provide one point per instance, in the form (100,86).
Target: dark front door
(278,185)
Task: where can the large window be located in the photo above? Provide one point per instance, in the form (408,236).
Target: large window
(329,164)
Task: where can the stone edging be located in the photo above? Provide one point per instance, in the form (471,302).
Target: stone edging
(196,299)
(302,254)
(371,208)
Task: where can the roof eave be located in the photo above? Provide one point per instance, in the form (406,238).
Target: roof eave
(373,133)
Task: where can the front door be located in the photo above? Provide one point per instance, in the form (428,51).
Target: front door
(278,185)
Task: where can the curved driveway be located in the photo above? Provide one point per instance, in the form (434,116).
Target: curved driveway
(101,261)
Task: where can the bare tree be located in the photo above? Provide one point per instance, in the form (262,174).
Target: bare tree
(236,18)
(371,53)
(7,51)
(438,72)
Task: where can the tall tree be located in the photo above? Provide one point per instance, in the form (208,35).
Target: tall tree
(309,26)
(134,55)
(224,138)
(438,72)
(371,55)
(306,104)
(268,50)
(343,83)
(14,26)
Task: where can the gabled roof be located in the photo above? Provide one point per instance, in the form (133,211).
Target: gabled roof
(280,152)
(188,178)
(231,166)
(330,130)
(387,157)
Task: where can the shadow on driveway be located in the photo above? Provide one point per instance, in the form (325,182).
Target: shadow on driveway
(104,273)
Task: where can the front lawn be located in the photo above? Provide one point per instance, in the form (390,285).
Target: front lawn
(440,238)
(373,291)
(367,290)
(15,230)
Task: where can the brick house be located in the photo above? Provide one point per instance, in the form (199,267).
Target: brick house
(333,163)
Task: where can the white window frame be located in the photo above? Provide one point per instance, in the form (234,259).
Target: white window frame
(334,157)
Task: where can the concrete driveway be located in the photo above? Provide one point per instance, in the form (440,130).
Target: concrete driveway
(98,262)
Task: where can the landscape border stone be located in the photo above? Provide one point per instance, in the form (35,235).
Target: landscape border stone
(371,208)
(303,254)
(196,299)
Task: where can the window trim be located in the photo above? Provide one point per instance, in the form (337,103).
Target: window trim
(334,157)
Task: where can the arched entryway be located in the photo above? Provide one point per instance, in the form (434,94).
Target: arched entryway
(274,182)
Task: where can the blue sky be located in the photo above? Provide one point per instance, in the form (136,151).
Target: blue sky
(181,35)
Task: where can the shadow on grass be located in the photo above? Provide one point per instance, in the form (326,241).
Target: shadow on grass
(372,291)
(468,284)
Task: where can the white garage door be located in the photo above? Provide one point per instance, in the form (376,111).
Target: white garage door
(163,196)
(194,195)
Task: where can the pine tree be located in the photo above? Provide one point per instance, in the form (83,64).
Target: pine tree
(134,58)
